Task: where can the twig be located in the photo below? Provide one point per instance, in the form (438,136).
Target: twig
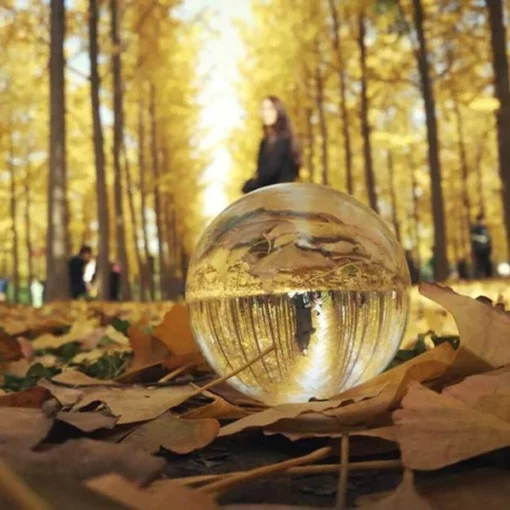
(371,465)
(18,491)
(208,386)
(344,470)
(175,373)
(221,485)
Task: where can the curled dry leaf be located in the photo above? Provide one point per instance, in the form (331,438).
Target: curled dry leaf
(23,427)
(358,405)
(77,378)
(434,431)
(484,331)
(169,495)
(174,434)
(175,331)
(146,349)
(82,459)
(87,421)
(219,408)
(10,349)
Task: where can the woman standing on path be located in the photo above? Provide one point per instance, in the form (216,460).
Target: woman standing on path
(279,155)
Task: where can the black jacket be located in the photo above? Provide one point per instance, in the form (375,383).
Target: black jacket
(275,164)
(76,274)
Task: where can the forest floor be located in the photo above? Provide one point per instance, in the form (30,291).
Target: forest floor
(113,406)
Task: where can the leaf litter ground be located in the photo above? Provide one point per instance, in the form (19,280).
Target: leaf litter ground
(114,406)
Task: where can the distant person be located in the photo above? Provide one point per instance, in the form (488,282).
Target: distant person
(481,243)
(413,270)
(279,156)
(115,272)
(4,286)
(36,293)
(77,265)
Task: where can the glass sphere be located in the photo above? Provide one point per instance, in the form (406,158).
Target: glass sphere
(310,271)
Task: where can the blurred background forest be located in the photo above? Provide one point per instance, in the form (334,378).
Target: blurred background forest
(403,103)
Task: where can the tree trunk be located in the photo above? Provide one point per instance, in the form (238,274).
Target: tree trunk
(319,98)
(28,226)
(149,277)
(118,135)
(134,225)
(157,196)
(393,195)
(346,132)
(415,202)
(502,93)
(57,240)
(365,124)
(479,177)
(13,211)
(465,215)
(103,217)
(310,139)
(440,254)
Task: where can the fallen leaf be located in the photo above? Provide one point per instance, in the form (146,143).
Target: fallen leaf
(33,397)
(65,395)
(133,404)
(489,392)
(79,330)
(169,495)
(175,434)
(86,458)
(175,331)
(87,421)
(436,430)
(23,427)
(219,408)
(484,330)
(10,349)
(267,507)
(146,349)
(360,404)
(77,378)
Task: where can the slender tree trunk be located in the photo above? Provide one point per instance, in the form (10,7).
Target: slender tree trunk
(393,195)
(502,93)
(57,240)
(440,253)
(157,196)
(465,215)
(103,216)
(415,201)
(14,212)
(365,124)
(134,225)
(479,177)
(149,277)
(118,136)
(310,142)
(28,225)
(346,132)
(319,98)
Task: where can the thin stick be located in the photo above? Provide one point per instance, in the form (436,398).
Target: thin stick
(175,373)
(18,491)
(208,386)
(370,465)
(230,481)
(344,470)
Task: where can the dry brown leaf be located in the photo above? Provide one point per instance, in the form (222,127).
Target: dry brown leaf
(357,405)
(174,434)
(175,331)
(434,431)
(86,458)
(267,507)
(10,349)
(33,397)
(474,490)
(23,427)
(133,404)
(66,396)
(219,408)
(87,421)
(77,378)
(489,392)
(146,349)
(169,495)
(484,330)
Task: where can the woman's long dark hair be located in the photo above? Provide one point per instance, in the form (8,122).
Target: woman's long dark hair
(283,129)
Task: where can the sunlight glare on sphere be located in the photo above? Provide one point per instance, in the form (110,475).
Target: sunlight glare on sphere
(309,270)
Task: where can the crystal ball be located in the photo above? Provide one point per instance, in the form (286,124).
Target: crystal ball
(309,271)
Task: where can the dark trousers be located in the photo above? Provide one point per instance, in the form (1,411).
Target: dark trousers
(483,265)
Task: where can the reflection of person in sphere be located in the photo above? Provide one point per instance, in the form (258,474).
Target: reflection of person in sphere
(304,326)
(279,156)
